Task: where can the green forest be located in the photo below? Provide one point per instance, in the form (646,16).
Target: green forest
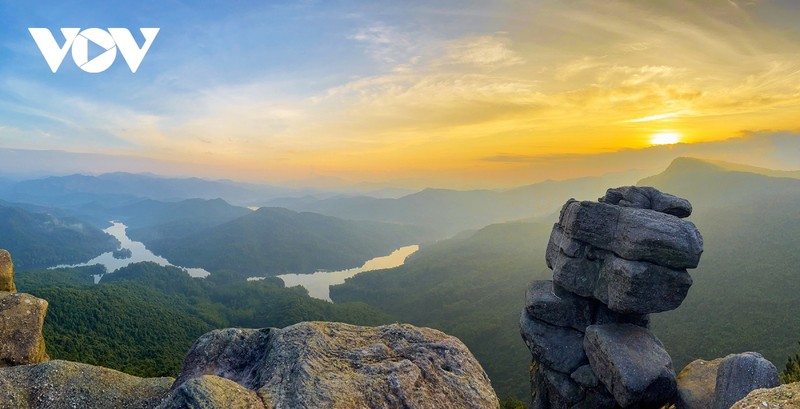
(143,318)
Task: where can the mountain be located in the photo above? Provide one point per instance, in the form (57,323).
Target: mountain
(273,241)
(151,220)
(116,189)
(744,296)
(747,283)
(451,211)
(40,240)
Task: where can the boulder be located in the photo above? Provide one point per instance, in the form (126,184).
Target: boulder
(557,348)
(210,392)
(697,382)
(6,272)
(562,390)
(632,363)
(578,274)
(782,397)
(545,302)
(62,384)
(21,321)
(639,287)
(634,234)
(646,197)
(740,374)
(585,377)
(324,365)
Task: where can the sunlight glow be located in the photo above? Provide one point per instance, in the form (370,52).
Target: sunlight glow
(665,138)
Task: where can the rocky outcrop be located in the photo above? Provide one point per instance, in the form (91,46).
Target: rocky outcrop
(783,397)
(614,262)
(63,384)
(21,321)
(333,365)
(6,272)
(209,392)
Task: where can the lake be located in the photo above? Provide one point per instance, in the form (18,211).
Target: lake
(139,253)
(318,284)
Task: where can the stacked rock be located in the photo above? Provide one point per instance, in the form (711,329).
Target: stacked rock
(614,262)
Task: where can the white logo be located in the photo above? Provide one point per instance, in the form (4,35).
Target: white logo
(110,41)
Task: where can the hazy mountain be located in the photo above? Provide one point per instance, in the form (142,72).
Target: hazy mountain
(452,211)
(96,193)
(42,240)
(744,295)
(274,240)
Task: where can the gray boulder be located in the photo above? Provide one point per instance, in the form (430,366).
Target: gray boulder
(639,287)
(325,365)
(562,308)
(740,374)
(634,234)
(562,390)
(557,348)
(585,377)
(646,197)
(632,363)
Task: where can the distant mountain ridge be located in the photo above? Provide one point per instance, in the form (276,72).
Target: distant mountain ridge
(452,211)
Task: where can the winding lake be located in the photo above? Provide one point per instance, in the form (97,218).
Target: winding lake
(318,284)
(139,253)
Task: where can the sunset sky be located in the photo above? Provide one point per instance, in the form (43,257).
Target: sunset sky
(393,90)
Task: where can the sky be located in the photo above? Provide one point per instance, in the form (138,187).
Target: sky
(456,93)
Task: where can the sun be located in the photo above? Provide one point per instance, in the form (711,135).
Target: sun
(665,138)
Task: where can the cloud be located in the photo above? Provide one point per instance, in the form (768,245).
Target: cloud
(484,51)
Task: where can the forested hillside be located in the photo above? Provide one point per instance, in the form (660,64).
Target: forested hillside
(42,240)
(272,241)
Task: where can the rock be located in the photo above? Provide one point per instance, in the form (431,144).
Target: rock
(740,374)
(209,392)
(783,397)
(585,377)
(632,363)
(603,315)
(648,198)
(638,287)
(323,365)
(560,308)
(539,396)
(561,244)
(557,348)
(6,272)
(578,274)
(696,384)
(229,353)
(634,234)
(21,321)
(63,384)
(562,390)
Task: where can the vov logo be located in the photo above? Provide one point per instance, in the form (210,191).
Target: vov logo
(78,41)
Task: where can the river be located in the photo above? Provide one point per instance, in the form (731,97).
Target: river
(318,284)
(139,253)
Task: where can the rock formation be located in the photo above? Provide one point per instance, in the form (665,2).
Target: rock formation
(21,321)
(614,262)
(6,272)
(331,365)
